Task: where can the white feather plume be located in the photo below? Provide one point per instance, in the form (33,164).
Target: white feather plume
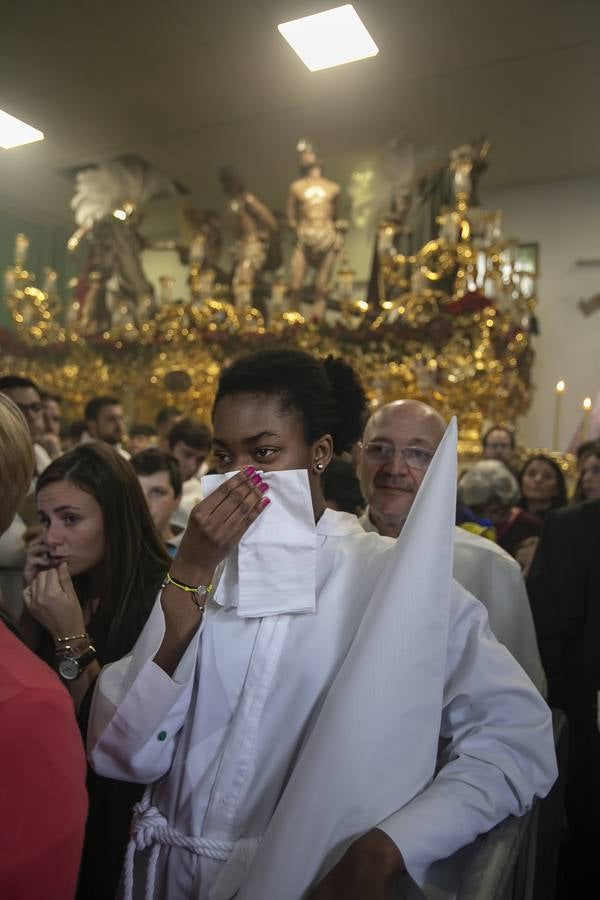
(106,187)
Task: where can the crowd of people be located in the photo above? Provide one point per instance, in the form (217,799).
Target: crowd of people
(306,658)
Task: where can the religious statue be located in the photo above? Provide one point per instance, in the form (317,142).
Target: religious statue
(392,245)
(392,228)
(312,215)
(256,230)
(199,248)
(467,162)
(201,240)
(112,288)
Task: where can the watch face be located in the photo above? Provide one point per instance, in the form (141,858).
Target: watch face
(69,669)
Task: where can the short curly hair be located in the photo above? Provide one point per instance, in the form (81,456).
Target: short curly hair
(325,394)
(488,481)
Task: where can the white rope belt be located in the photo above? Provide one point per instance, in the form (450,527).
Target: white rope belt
(150,829)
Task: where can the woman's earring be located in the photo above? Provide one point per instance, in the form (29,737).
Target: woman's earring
(319,467)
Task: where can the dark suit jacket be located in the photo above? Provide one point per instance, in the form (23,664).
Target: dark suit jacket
(564,589)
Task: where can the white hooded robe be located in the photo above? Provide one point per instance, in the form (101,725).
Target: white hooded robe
(282,737)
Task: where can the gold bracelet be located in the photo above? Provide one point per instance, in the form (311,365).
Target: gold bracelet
(68,650)
(72,637)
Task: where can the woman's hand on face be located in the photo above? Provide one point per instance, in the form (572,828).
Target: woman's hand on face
(51,599)
(217,524)
(36,559)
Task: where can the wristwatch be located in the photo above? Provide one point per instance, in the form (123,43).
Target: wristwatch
(71,667)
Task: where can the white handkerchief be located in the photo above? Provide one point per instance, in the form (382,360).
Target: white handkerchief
(273,570)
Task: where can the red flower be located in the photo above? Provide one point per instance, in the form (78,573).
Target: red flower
(473,301)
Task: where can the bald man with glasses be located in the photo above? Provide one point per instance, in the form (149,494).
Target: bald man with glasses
(399,442)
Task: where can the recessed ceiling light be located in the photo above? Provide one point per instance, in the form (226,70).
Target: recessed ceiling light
(329,38)
(14,133)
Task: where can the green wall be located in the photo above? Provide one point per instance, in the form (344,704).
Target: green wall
(47,247)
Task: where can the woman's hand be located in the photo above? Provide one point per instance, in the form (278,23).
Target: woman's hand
(525,552)
(51,599)
(367,871)
(217,524)
(36,559)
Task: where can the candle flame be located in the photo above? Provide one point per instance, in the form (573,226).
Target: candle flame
(560,387)
(587,403)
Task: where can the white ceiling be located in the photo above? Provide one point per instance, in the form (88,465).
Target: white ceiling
(189,85)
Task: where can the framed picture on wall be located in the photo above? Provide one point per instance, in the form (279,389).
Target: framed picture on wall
(527,263)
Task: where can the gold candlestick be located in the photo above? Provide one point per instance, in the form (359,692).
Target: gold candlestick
(587,409)
(558,395)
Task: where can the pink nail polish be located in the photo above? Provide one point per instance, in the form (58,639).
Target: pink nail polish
(249,470)
(263,487)
(264,503)
(256,479)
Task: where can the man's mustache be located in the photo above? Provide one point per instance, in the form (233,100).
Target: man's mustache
(402,483)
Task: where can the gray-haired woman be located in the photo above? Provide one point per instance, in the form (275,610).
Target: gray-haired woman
(491,492)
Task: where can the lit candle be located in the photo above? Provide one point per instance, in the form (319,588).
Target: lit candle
(558,394)
(587,409)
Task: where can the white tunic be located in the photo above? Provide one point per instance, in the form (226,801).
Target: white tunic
(262,723)
(494,577)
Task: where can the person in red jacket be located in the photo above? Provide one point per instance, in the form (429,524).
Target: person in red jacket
(42,761)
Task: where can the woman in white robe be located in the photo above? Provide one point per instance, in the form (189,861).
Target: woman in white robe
(291,728)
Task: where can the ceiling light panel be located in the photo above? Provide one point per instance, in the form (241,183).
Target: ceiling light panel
(14,133)
(329,38)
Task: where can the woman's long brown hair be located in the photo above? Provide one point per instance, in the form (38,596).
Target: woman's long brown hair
(135,560)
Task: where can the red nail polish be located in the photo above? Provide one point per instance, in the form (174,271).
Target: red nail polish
(256,479)
(263,487)
(249,470)
(264,503)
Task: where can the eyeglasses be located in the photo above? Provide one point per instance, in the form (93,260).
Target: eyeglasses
(414,457)
(30,407)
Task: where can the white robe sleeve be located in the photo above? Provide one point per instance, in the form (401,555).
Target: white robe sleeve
(138,710)
(500,751)
(495,578)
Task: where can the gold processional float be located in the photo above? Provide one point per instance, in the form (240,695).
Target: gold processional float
(449,322)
